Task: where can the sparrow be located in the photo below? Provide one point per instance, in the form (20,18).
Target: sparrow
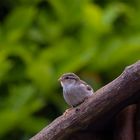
(75,91)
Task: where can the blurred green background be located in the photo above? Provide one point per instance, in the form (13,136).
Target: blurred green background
(42,39)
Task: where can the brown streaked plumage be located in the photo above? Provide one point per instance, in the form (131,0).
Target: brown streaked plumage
(75,91)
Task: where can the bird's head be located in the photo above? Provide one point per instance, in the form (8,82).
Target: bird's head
(68,79)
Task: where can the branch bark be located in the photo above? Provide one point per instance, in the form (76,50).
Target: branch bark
(137,124)
(98,109)
(125,123)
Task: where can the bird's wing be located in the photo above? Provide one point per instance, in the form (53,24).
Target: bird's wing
(88,86)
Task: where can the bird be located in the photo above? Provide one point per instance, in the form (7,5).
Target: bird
(75,90)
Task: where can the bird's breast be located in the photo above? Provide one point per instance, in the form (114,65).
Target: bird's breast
(74,95)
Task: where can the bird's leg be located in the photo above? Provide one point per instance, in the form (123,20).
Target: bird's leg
(67,110)
(86,98)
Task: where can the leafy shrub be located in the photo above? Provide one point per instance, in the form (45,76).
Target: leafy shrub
(40,40)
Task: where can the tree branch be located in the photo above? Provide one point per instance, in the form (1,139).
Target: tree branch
(125,123)
(98,109)
(137,123)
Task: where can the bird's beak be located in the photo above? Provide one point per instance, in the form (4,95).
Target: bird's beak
(60,79)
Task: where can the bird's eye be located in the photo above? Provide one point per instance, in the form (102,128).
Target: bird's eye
(67,77)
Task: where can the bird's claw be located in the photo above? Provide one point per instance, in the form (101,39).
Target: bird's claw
(66,111)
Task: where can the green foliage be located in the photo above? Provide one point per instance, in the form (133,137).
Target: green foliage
(40,40)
